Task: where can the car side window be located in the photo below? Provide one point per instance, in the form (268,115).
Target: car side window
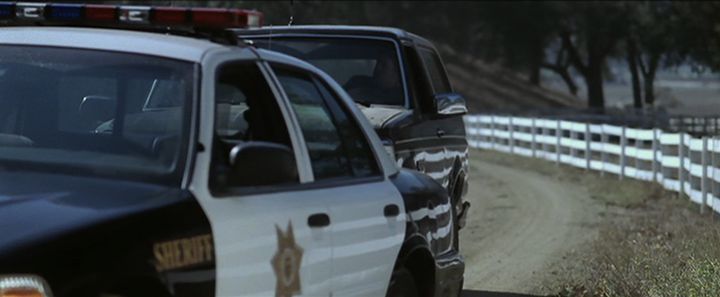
(322,137)
(435,69)
(245,110)
(362,160)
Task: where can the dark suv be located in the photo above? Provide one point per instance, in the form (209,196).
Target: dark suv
(399,81)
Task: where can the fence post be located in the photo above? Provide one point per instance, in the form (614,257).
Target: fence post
(558,135)
(573,151)
(588,141)
(603,154)
(623,144)
(638,146)
(492,132)
(713,183)
(703,181)
(533,145)
(654,157)
(544,143)
(511,141)
(681,167)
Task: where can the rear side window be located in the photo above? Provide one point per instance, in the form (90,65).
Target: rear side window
(436,71)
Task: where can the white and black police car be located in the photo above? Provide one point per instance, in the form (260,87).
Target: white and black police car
(144,153)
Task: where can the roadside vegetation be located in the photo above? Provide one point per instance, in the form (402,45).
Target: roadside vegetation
(649,242)
(664,248)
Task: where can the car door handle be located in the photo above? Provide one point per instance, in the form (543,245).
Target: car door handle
(391,211)
(319,220)
(440,132)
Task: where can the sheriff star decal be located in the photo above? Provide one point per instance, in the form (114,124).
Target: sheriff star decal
(286,263)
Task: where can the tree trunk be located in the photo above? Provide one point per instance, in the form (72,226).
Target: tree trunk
(564,73)
(536,60)
(635,76)
(649,73)
(534,75)
(594,81)
(649,89)
(592,72)
(572,86)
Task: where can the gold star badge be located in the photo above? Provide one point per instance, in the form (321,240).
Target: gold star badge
(286,263)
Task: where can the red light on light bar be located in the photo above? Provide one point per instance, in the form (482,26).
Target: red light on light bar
(106,13)
(169,15)
(225,18)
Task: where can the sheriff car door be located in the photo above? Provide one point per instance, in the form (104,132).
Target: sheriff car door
(268,240)
(366,210)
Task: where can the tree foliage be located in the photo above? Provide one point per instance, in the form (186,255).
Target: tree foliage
(527,36)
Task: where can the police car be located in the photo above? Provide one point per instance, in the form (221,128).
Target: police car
(144,153)
(400,84)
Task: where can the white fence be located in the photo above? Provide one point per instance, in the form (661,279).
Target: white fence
(678,162)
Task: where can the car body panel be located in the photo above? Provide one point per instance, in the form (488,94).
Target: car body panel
(87,235)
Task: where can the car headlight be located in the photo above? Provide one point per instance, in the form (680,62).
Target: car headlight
(23,286)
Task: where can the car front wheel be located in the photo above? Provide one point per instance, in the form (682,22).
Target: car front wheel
(402,284)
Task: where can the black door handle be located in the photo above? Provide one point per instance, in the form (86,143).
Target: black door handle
(319,220)
(440,132)
(391,211)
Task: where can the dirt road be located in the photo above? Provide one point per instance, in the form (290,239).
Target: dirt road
(522,223)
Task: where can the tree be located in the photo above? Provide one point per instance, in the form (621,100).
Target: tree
(632,56)
(698,32)
(561,66)
(651,38)
(522,31)
(591,33)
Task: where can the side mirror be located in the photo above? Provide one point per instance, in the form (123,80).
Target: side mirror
(450,104)
(260,163)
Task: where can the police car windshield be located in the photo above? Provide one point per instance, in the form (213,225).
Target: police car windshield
(95,112)
(367,69)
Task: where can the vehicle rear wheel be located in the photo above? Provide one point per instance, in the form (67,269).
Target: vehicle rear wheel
(402,284)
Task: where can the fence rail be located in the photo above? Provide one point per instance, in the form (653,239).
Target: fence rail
(677,161)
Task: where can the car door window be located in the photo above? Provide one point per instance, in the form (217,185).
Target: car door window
(322,137)
(245,110)
(362,160)
(436,71)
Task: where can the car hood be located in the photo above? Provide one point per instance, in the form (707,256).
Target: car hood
(379,115)
(39,206)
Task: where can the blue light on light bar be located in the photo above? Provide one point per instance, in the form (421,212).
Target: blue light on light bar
(66,12)
(7,10)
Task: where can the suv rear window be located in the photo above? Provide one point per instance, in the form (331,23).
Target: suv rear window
(368,69)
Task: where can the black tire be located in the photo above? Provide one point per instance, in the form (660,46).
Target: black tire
(402,284)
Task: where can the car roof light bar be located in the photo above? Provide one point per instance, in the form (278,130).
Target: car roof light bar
(123,15)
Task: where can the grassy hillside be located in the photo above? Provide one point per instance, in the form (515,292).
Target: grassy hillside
(493,88)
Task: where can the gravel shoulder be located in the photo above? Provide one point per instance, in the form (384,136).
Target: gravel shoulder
(542,229)
(527,217)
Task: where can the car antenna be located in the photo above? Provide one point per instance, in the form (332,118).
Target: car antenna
(292,12)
